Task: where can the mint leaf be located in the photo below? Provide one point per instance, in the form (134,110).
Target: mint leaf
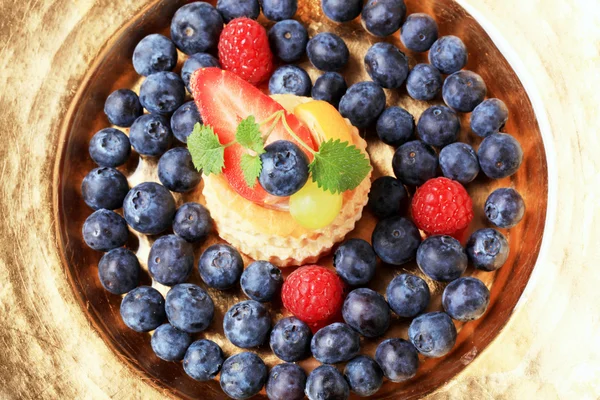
(248,135)
(251,167)
(206,150)
(338,166)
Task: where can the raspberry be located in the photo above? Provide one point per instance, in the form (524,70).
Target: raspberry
(313,294)
(244,50)
(442,206)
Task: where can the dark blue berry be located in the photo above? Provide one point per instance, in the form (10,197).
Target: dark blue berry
(176,170)
(104,188)
(388,197)
(169,343)
(408,295)
(386,65)
(504,207)
(419,31)
(464,90)
(466,299)
(433,334)
(122,107)
(231,9)
(119,271)
(150,135)
(247,324)
(184,119)
(171,260)
(189,308)
(327,52)
(335,343)
(105,230)
(367,312)
(500,155)
(395,126)
(195,62)
(154,53)
(355,262)
(284,168)
(424,82)
(192,222)
(243,375)
(487,249)
(341,10)
(286,382)
(220,266)
(489,117)
(203,360)
(149,208)
(288,40)
(459,162)
(414,163)
(363,103)
(448,54)
(442,258)
(383,17)
(364,376)
(261,281)
(143,309)
(398,359)
(162,92)
(278,10)
(330,87)
(395,240)
(290,79)
(438,126)
(110,147)
(196,27)
(290,339)
(326,382)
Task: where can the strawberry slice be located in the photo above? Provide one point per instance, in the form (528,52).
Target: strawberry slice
(223,100)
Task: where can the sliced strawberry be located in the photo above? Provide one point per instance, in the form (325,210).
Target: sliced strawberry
(224,99)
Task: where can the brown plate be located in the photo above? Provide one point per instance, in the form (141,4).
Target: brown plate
(113,70)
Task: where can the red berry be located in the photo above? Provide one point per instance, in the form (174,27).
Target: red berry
(244,49)
(313,294)
(442,206)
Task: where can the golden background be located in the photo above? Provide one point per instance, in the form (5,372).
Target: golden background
(550,348)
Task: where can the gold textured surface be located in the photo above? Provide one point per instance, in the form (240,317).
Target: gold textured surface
(549,348)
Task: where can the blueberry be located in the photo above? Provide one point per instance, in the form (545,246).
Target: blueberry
(329,87)
(489,117)
(110,147)
(192,222)
(466,299)
(122,107)
(195,62)
(290,339)
(278,10)
(184,119)
(335,343)
(149,208)
(363,103)
(105,230)
(327,52)
(386,65)
(395,240)
(169,343)
(286,382)
(398,359)
(196,27)
(459,162)
(150,135)
(220,266)
(487,249)
(364,376)
(388,197)
(355,262)
(504,207)
(290,79)
(171,260)
(119,271)
(395,126)
(231,9)
(203,360)
(448,54)
(383,17)
(419,31)
(500,155)
(414,163)
(154,53)
(162,92)
(176,170)
(247,324)
(104,188)
(189,308)
(367,312)
(261,281)
(433,334)
(424,82)
(326,382)
(284,168)
(464,90)
(243,375)
(442,258)
(143,309)
(438,126)
(408,295)
(341,10)
(288,40)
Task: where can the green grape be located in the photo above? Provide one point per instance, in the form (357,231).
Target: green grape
(313,207)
